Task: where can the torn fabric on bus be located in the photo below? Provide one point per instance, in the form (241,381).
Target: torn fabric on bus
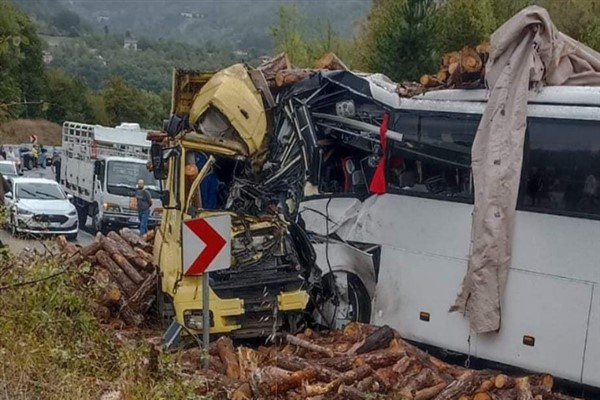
(527,51)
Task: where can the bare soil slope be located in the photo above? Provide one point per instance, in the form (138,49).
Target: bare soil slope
(18,131)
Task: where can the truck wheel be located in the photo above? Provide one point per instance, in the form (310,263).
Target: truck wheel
(30,164)
(98,224)
(82,213)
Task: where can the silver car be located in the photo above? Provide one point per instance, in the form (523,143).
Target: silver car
(9,169)
(40,206)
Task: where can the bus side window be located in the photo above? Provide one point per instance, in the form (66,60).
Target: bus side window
(437,161)
(561,168)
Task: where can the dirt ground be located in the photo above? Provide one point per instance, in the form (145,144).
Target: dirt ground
(18,131)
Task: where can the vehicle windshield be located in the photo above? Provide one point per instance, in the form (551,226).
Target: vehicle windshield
(122,177)
(7,169)
(39,191)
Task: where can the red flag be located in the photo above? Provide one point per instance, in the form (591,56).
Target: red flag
(378,184)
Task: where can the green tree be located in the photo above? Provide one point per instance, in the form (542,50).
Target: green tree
(68,99)
(287,35)
(125,103)
(464,23)
(398,38)
(579,19)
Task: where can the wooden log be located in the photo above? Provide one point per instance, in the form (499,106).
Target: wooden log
(148,237)
(139,300)
(156,136)
(450,58)
(453,68)
(243,392)
(132,238)
(350,393)
(216,365)
(122,246)
(470,60)
(117,273)
(131,272)
(271,67)
(90,249)
(482,396)
(483,48)
(429,81)
(523,389)
(228,357)
(271,380)
(379,360)
(293,363)
(347,378)
(466,383)
(66,246)
(377,340)
(149,258)
(442,75)
(366,385)
(288,77)
(330,61)
(486,385)
(308,345)
(430,392)
(111,296)
(423,379)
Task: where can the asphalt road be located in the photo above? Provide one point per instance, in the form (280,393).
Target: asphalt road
(17,245)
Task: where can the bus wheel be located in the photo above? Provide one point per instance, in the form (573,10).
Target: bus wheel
(346,300)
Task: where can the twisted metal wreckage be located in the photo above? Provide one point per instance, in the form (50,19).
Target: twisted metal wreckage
(322,138)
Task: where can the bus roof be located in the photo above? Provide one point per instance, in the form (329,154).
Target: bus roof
(559,95)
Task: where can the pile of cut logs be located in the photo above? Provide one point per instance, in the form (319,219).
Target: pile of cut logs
(279,72)
(123,272)
(464,68)
(359,362)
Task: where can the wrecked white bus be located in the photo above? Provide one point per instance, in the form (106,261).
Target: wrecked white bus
(422,226)
(295,168)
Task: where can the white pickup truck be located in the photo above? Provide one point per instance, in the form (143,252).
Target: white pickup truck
(100,168)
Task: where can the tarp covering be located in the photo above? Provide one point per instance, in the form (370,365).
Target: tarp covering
(527,51)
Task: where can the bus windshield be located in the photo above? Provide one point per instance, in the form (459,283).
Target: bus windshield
(122,177)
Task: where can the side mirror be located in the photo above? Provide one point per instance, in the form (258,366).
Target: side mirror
(175,125)
(20,173)
(69,196)
(158,163)
(8,195)
(97,167)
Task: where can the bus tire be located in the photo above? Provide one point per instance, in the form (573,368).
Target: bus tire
(358,305)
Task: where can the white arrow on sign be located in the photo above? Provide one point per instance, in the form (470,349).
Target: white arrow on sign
(206,244)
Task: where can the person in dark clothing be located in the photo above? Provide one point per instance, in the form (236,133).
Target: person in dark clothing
(144,202)
(56,166)
(4,188)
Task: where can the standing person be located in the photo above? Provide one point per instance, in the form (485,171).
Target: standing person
(4,188)
(144,202)
(43,156)
(56,166)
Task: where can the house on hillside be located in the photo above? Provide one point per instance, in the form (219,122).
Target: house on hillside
(130,44)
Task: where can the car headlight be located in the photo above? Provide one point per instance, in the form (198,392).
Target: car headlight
(23,211)
(111,207)
(72,213)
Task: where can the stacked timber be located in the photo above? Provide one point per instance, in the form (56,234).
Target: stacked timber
(123,271)
(464,68)
(279,72)
(359,362)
